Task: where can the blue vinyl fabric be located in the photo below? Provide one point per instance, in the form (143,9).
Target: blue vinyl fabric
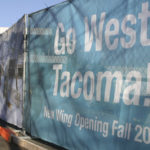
(87,74)
(11,73)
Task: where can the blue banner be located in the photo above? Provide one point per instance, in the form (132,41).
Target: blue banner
(88,74)
(11,73)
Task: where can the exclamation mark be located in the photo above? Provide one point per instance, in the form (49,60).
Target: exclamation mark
(147,100)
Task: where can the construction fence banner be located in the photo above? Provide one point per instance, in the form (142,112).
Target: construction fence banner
(11,73)
(88,74)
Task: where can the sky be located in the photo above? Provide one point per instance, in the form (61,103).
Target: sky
(13,10)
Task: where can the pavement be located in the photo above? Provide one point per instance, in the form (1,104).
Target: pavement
(21,141)
(9,146)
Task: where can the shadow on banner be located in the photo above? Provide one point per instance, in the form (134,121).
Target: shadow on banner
(11,73)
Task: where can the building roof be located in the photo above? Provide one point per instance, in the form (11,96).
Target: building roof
(3,29)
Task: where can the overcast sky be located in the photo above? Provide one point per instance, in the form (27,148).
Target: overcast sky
(13,10)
